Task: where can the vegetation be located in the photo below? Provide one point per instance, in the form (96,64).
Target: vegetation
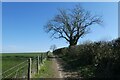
(10,60)
(46,70)
(53,47)
(71,24)
(94,59)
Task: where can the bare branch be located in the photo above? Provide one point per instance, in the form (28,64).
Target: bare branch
(71,24)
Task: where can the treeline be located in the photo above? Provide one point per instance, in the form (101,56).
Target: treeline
(94,59)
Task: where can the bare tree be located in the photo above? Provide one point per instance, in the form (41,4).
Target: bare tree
(71,24)
(53,47)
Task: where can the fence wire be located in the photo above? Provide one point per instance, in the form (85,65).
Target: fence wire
(21,70)
(13,72)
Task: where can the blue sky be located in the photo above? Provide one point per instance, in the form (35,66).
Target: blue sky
(23,23)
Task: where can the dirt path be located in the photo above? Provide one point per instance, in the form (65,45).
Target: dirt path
(56,67)
(59,71)
(66,73)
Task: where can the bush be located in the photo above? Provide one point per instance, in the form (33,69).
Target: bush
(103,57)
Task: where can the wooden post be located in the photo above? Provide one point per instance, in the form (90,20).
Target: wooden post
(47,54)
(29,68)
(38,64)
(44,55)
(41,58)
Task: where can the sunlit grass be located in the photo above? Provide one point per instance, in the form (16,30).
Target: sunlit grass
(46,71)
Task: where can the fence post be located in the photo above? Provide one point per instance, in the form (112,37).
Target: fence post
(41,58)
(38,64)
(47,54)
(29,68)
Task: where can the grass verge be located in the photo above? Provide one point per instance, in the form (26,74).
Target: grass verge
(46,70)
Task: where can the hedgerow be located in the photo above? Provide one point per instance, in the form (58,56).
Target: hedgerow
(95,59)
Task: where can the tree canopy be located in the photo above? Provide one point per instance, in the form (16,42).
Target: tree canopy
(71,24)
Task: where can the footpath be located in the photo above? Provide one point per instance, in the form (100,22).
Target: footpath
(58,66)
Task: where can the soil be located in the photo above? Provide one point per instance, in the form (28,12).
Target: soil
(56,68)
(59,71)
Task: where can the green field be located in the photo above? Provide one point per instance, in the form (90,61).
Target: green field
(10,60)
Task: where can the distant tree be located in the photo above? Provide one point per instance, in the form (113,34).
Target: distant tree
(71,24)
(53,47)
(87,42)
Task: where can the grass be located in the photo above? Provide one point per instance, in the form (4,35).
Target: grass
(20,54)
(46,70)
(12,59)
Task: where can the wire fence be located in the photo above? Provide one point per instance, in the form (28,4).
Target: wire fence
(26,69)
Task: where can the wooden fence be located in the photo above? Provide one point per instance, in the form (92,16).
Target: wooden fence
(30,67)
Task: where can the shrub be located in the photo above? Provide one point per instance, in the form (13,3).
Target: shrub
(103,57)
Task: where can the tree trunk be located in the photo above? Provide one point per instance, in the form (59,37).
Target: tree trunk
(73,43)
